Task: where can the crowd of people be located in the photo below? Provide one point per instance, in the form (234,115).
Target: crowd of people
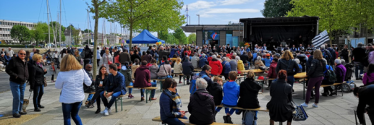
(121,66)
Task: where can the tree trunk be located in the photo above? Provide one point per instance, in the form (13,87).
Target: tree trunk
(130,36)
(96,7)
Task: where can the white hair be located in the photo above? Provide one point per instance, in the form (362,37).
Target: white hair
(338,61)
(297,61)
(258,57)
(323,47)
(214,56)
(237,58)
(201,83)
(234,54)
(342,61)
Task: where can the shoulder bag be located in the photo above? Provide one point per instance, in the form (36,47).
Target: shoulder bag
(299,114)
(167,74)
(109,62)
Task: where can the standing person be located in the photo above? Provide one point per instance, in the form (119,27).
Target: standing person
(344,53)
(78,57)
(98,57)
(37,73)
(52,69)
(87,55)
(358,55)
(187,69)
(178,68)
(365,98)
(70,79)
(142,78)
(114,87)
(19,73)
(287,63)
(170,103)
(107,57)
(248,98)
(201,106)
(100,82)
(280,107)
(315,76)
(10,52)
(124,57)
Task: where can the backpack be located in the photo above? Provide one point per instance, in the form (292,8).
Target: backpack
(193,82)
(327,55)
(331,76)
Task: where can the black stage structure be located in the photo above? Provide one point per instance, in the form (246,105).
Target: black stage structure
(273,31)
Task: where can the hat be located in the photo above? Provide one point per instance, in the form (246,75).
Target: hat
(267,54)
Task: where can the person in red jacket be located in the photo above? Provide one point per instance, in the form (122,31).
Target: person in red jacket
(216,66)
(271,72)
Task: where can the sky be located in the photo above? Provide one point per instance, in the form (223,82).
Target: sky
(75,12)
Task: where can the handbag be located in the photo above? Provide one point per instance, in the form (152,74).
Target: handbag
(167,74)
(299,114)
(109,62)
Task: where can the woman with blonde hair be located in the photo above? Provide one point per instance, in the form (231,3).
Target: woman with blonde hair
(287,63)
(178,68)
(36,73)
(315,76)
(70,79)
(106,59)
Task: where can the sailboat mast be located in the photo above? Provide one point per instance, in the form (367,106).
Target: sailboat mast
(60,21)
(49,31)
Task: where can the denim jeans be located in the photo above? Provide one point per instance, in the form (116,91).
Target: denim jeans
(130,89)
(162,77)
(38,93)
(89,97)
(173,121)
(71,110)
(249,117)
(290,80)
(114,97)
(18,91)
(228,110)
(358,66)
(154,84)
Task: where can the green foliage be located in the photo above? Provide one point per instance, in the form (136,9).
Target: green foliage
(276,8)
(20,33)
(180,36)
(16,46)
(40,32)
(191,39)
(87,31)
(154,15)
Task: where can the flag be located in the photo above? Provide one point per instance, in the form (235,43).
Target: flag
(320,39)
(214,35)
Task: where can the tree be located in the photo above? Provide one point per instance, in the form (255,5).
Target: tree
(191,38)
(40,32)
(140,14)
(87,31)
(180,36)
(276,8)
(362,15)
(95,8)
(55,31)
(20,33)
(333,14)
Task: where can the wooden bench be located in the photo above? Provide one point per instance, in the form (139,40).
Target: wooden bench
(255,109)
(147,90)
(187,122)
(335,84)
(181,74)
(197,70)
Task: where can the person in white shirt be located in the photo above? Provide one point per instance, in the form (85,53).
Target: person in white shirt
(10,51)
(70,79)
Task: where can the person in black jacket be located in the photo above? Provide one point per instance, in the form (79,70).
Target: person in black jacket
(216,91)
(187,69)
(100,82)
(315,76)
(245,59)
(280,106)
(358,55)
(344,53)
(87,55)
(18,71)
(248,97)
(365,97)
(37,80)
(287,63)
(201,106)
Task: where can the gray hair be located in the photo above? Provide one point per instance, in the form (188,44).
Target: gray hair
(297,61)
(323,47)
(258,58)
(237,58)
(360,45)
(203,55)
(342,61)
(214,56)
(224,59)
(201,83)
(234,53)
(338,61)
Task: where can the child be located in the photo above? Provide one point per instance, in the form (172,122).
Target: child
(53,71)
(216,91)
(231,94)
(267,60)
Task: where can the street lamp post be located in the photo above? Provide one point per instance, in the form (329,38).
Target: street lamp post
(199,18)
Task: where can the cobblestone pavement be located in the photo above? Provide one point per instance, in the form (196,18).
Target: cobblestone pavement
(332,110)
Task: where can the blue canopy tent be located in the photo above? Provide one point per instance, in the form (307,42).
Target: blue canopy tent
(145,37)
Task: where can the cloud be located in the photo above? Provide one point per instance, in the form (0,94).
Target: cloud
(229,10)
(234,2)
(200,5)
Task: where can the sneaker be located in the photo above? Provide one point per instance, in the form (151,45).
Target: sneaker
(106,113)
(315,106)
(16,115)
(304,105)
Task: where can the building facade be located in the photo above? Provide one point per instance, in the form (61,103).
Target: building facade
(7,25)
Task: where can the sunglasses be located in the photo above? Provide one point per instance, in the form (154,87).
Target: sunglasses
(22,53)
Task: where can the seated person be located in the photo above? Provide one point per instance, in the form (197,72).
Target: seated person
(327,90)
(280,107)
(258,62)
(201,106)
(230,95)
(267,60)
(114,87)
(368,76)
(271,72)
(142,78)
(100,83)
(170,104)
(178,68)
(216,91)
(248,99)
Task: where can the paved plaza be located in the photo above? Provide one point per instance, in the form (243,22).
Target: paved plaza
(335,110)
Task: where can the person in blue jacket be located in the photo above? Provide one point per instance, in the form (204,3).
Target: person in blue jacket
(172,51)
(267,60)
(114,87)
(170,104)
(231,92)
(226,67)
(254,57)
(203,61)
